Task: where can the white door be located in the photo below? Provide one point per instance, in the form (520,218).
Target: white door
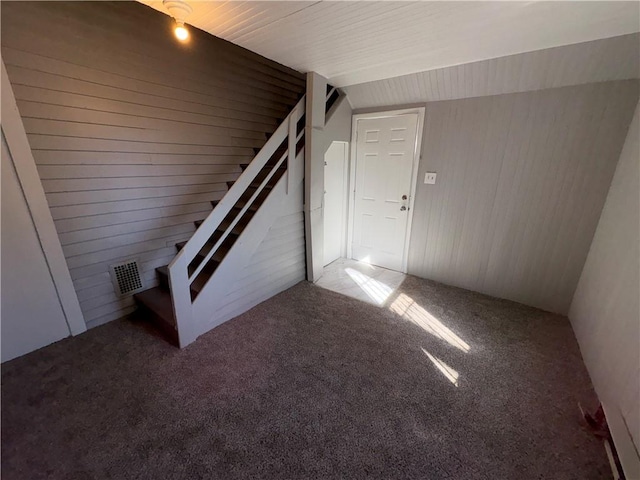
(335,200)
(385,150)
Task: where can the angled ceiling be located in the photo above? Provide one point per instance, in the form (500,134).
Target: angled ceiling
(356,42)
(616,58)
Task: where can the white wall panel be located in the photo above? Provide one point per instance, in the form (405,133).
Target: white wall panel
(32,315)
(605,312)
(522,179)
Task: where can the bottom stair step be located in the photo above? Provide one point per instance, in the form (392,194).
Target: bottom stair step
(157,304)
(196,286)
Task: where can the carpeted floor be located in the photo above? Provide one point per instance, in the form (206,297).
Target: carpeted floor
(440,383)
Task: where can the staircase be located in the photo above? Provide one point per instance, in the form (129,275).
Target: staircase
(191,284)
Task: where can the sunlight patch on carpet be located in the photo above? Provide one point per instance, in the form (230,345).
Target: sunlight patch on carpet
(406,307)
(450,373)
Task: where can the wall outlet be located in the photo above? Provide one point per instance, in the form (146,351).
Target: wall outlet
(430,178)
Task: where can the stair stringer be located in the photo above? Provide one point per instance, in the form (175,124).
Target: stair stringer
(212,306)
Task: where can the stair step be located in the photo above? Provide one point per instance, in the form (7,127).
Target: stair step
(262,196)
(266,171)
(156,302)
(197,223)
(237,230)
(217,257)
(236,209)
(163,275)
(244,166)
(240,204)
(277,153)
(254,185)
(196,286)
(332,100)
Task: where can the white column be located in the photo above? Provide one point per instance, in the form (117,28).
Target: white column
(314,173)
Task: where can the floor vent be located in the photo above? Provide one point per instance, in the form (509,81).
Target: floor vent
(126,277)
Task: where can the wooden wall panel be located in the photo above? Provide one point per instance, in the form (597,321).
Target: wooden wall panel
(133,133)
(616,58)
(278,264)
(605,312)
(522,179)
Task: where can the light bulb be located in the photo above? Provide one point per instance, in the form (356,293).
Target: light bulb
(181,32)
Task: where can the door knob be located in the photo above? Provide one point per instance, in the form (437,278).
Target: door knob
(403,208)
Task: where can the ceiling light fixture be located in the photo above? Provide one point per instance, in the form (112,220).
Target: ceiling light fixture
(179,10)
(181,31)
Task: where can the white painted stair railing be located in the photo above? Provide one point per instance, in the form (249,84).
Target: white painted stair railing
(197,316)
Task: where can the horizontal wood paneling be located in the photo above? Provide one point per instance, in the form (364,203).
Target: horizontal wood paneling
(67,205)
(277,264)
(139,106)
(133,133)
(522,179)
(111,220)
(615,58)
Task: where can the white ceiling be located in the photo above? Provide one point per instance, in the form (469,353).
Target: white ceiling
(616,58)
(354,42)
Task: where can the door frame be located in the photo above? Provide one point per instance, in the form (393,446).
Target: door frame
(420,111)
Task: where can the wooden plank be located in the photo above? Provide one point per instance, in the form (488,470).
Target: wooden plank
(116,306)
(131,238)
(143,226)
(36,116)
(117,218)
(57,172)
(263,289)
(84,203)
(102,266)
(36,126)
(29,52)
(136,203)
(86,66)
(216,107)
(57,157)
(145,106)
(123,312)
(84,184)
(33,78)
(48,142)
(117,253)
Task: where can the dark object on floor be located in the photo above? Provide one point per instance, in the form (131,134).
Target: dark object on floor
(311,384)
(597,423)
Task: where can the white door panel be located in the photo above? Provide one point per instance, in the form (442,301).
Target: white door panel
(383,175)
(335,200)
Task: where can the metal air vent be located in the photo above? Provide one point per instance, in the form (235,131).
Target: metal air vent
(126,277)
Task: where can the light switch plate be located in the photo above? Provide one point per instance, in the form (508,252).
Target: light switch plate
(430,178)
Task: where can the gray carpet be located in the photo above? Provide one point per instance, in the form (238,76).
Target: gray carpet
(311,384)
